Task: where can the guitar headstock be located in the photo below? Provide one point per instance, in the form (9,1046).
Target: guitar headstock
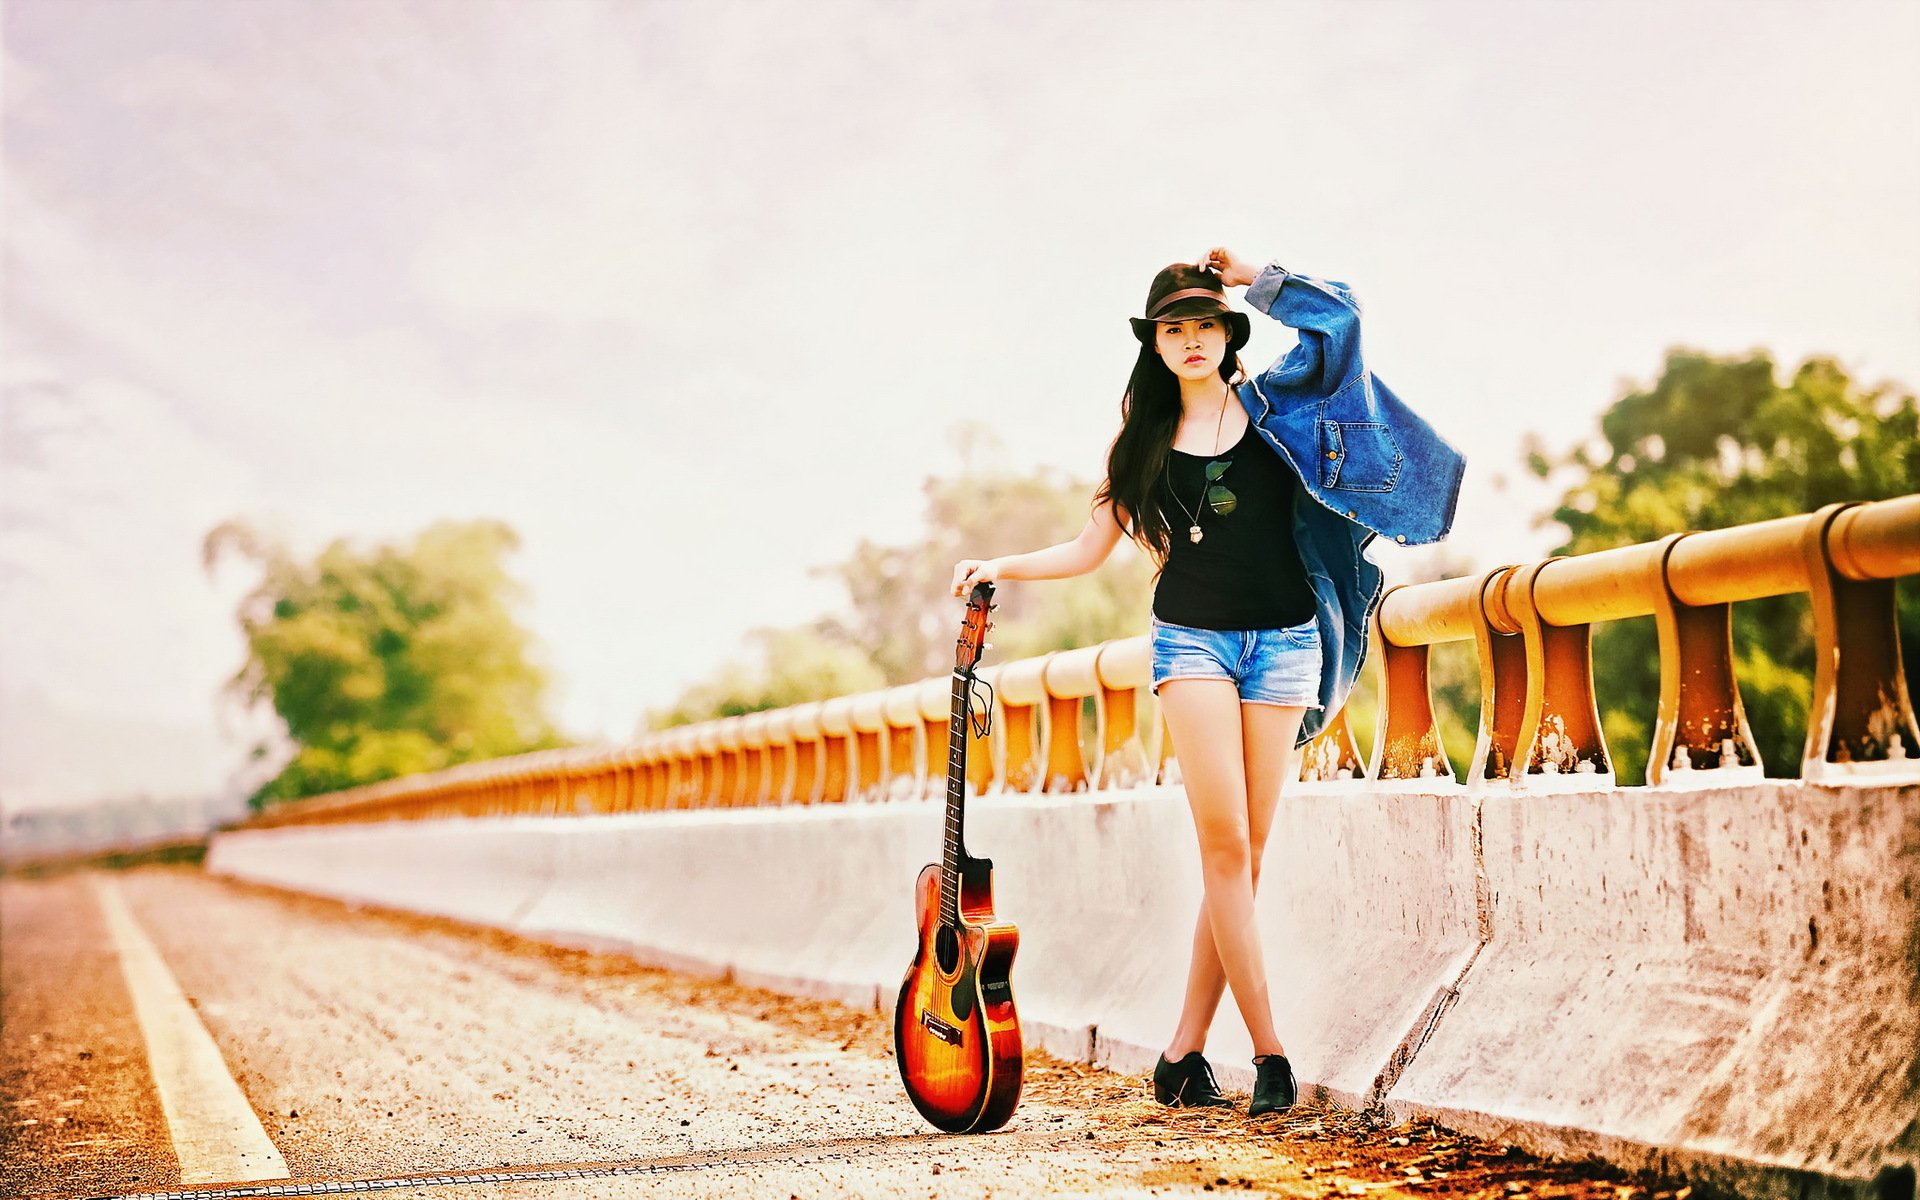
(973,628)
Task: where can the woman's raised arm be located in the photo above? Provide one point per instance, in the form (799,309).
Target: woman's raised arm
(1324,311)
(1065,560)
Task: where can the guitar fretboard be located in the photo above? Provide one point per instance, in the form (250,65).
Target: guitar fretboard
(956,798)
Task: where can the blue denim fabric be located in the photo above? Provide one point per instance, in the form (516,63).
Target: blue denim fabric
(1373,464)
(1356,445)
(1268,666)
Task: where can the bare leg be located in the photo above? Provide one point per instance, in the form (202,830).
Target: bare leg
(1204,717)
(1267,735)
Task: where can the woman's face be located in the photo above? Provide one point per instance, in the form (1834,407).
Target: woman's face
(1194,348)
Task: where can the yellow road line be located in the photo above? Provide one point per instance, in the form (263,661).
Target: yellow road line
(216,1135)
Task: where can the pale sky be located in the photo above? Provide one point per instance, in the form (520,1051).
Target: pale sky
(695,295)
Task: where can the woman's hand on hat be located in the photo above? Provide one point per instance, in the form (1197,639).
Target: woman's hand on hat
(1233,270)
(969,571)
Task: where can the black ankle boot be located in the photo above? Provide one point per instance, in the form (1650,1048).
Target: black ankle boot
(1188,1083)
(1273,1086)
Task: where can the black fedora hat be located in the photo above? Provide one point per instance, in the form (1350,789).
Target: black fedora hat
(1181,291)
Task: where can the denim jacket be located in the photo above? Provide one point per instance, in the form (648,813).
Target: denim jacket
(1375,467)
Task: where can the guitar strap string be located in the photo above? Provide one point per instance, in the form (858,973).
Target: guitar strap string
(980,711)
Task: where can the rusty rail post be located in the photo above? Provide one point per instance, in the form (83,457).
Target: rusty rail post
(836,750)
(1166,764)
(809,753)
(1503,680)
(934,698)
(1861,712)
(1702,724)
(1406,740)
(1021,693)
(728,753)
(643,756)
(777,780)
(681,782)
(1332,754)
(1560,727)
(1124,668)
(617,780)
(753,757)
(593,784)
(741,789)
(627,766)
(653,774)
(900,710)
(867,717)
(706,743)
(1069,677)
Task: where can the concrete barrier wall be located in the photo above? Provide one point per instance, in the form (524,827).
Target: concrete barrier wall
(814,901)
(1719,979)
(1366,905)
(1366,909)
(488,872)
(1725,981)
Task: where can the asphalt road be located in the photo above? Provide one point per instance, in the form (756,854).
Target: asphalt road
(414,1057)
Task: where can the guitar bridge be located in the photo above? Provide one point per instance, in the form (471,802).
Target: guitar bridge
(939,1028)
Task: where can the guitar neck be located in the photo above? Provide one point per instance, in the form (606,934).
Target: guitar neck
(955,849)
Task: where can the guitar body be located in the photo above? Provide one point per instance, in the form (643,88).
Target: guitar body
(956,1034)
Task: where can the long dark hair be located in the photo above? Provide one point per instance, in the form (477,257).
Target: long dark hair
(1149,417)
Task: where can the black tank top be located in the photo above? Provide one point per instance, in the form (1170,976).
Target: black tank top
(1245,572)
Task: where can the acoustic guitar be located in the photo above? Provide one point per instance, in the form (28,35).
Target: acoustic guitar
(955,1032)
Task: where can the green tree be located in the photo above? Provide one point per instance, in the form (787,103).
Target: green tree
(901,619)
(901,606)
(388,661)
(786,666)
(1718,442)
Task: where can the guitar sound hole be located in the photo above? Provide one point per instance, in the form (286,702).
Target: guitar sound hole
(946,949)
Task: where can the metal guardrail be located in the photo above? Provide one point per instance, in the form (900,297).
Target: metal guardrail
(1539,723)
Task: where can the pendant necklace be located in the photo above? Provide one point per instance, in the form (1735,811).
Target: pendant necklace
(1193,533)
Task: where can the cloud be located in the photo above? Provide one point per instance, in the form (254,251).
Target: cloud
(116,643)
(691,294)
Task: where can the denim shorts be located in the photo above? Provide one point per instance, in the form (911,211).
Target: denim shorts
(1268,666)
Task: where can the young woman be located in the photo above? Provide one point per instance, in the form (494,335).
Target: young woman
(1262,600)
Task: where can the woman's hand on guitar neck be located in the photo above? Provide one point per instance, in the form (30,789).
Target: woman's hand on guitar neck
(969,571)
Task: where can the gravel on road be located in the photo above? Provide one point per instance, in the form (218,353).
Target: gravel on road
(376,1044)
